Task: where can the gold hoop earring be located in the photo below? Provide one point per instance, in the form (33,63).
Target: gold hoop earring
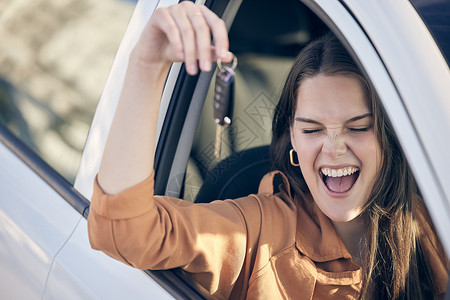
(291,156)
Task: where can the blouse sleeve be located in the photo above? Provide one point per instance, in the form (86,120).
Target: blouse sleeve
(212,241)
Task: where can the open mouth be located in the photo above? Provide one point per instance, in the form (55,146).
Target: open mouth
(339,180)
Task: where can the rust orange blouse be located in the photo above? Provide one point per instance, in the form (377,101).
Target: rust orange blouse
(258,247)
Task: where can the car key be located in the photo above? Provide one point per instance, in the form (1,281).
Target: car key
(223,101)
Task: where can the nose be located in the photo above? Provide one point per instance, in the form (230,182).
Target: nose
(334,146)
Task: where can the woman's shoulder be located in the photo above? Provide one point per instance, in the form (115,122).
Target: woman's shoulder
(272,204)
(268,213)
(273,192)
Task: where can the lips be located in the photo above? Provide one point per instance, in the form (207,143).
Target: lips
(339,180)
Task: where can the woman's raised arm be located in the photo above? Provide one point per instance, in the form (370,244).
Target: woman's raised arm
(180,32)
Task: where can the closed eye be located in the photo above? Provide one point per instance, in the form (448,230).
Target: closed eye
(311,131)
(360,129)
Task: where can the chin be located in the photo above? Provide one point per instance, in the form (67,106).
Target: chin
(342,219)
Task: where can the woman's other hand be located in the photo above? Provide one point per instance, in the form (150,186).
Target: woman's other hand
(182,32)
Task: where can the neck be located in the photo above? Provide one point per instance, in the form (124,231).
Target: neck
(351,233)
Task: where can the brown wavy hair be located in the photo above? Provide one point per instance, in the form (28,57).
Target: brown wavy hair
(395,266)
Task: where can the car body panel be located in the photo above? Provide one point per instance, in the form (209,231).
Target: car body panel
(35,222)
(81,273)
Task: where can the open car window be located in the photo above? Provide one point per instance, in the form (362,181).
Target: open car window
(54,59)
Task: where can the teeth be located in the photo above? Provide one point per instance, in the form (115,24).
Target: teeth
(339,172)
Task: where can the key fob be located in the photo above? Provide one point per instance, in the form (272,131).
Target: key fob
(223,96)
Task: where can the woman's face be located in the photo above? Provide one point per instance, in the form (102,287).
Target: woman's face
(337,149)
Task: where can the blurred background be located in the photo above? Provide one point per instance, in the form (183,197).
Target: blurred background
(55,56)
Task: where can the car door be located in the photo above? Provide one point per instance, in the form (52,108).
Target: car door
(51,70)
(35,221)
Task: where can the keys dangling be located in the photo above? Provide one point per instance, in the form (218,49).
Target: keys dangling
(223,101)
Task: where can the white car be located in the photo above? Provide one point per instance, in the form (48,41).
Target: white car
(403,47)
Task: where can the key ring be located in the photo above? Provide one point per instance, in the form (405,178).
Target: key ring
(233,66)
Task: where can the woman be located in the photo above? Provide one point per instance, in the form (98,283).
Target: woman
(347,223)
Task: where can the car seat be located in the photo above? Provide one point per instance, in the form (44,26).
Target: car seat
(237,175)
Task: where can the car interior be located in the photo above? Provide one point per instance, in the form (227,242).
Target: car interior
(265,51)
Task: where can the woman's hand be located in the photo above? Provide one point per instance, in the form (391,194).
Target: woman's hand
(182,32)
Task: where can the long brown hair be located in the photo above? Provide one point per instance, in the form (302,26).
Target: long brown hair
(394,263)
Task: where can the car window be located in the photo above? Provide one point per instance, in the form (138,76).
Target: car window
(436,15)
(54,59)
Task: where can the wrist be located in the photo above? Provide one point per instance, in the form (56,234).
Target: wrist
(140,63)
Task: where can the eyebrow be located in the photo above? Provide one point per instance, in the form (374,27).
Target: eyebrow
(311,121)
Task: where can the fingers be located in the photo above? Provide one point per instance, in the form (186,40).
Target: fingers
(203,40)
(183,15)
(219,32)
(164,21)
(188,28)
